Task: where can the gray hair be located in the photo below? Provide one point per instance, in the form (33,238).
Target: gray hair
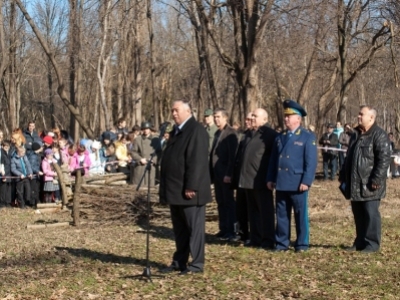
(186,103)
(371,109)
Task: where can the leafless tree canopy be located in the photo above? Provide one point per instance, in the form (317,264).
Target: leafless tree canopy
(81,65)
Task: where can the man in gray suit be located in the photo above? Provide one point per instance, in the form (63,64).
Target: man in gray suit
(222,161)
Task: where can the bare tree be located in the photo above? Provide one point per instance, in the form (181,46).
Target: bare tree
(61,87)
(249,20)
(104,57)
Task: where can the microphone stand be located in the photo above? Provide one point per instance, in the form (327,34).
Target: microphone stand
(146,275)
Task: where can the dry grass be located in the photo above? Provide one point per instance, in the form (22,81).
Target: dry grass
(97,262)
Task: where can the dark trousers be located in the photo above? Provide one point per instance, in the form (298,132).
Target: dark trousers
(242,214)
(5,194)
(368,224)
(329,162)
(23,188)
(342,156)
(260,205)
(226,207)
(188,223)
(35,189)
(285,201)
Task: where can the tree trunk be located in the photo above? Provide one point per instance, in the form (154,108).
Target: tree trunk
(12,69)
(154,98)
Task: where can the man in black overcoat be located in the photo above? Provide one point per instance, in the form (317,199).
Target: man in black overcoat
(185,186)
(222,161)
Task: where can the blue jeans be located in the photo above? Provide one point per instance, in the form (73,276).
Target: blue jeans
(330,162)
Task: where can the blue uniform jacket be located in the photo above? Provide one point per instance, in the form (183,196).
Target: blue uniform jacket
(293,163)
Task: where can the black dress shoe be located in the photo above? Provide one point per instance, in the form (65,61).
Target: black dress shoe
(190,272)
(227,236)
(170,269)
(220,234)
(351,249)
(251,245)
(368,250)
(235,238)
(300,250)
(278,250)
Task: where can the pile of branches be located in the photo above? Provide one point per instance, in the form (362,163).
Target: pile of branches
(124,205)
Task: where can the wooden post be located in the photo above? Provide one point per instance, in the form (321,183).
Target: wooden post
(61,184)
(76,203)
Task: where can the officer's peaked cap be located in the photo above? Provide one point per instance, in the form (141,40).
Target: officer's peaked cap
(293,108)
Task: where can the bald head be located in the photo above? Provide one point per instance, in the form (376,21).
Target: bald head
(259,118)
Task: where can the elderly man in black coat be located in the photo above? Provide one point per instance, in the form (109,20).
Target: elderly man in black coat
(363,179)
(254,160)
(185,186)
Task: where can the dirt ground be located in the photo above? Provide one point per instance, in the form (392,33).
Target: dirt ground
(98,261)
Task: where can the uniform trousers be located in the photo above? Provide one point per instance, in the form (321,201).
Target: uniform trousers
(285,201)
(226,207)
(188,224)
(367,219)
(260,205)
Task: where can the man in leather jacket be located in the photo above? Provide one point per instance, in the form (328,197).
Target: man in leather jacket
(363,179)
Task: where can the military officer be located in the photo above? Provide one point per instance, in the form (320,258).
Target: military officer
(143,147)
(291,172)
(210,126)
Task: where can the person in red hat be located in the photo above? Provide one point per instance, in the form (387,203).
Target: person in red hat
(48,142)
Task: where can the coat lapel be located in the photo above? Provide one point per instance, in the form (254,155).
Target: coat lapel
(175,135)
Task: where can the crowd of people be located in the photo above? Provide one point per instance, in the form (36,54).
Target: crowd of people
(27,160)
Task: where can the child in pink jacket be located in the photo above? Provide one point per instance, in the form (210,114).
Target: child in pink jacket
(81,160)
(50,176)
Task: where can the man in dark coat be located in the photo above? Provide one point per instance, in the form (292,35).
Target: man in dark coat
(31,136)
(185,186)
(241,202)
(363,179)
(222,161)
(253,171)
(329,156)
